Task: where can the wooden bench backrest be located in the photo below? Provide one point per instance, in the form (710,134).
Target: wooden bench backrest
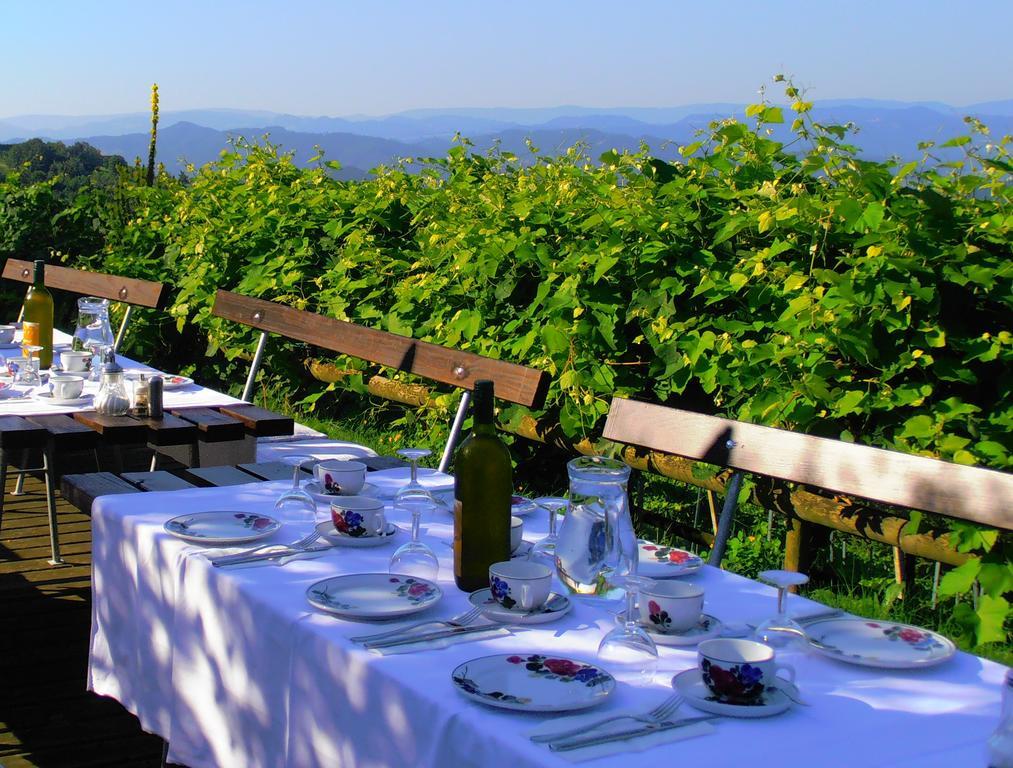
(516,383)
(129,290)
(890,477)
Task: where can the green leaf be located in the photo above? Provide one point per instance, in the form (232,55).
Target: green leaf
(736,280)
(920,426)
(960,579)
(555,340)
(993,610)
(602,265)
(773,115)
(873,216)
(849,402)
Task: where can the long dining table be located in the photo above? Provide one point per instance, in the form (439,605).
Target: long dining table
(233,666)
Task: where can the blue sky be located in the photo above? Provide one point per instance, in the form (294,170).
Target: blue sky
(378,57)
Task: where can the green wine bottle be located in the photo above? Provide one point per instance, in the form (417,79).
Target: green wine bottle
(483,487)
(39,309)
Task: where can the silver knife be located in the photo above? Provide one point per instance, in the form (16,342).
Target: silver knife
(429,636)
(255,557)
(644,730)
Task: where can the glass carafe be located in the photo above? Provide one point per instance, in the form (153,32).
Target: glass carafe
(597,545)
(93,332)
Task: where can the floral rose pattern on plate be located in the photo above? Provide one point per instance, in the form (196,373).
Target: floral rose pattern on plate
(671,555)
(501,592)
(659,618)
(916,638)
(416,591)
(253,522)
(470,686)
(349,523)
(739,684)
(564,670)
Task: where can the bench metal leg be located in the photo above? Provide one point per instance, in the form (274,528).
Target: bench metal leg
(54,535)
(19,486)
(455,431)
(258,355)
(725,521)
(3,484)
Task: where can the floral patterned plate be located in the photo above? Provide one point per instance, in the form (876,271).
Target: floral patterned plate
(221,527)
(373,595)
(878,643)
(555,607)
(705,629)
(694,690)
(533,682)
(661,562)
(340,540)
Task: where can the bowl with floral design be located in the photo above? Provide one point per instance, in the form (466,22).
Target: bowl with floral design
(520,585)
(739,671)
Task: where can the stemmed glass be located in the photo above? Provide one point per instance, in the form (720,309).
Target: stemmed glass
(415,558)
(629,645)
(781,632)
(545,550)
(295,503)
(30,375)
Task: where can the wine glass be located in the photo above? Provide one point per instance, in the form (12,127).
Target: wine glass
(295,503)
(415,558)
(545,550)
(629,646)
(29,375)
(781,632)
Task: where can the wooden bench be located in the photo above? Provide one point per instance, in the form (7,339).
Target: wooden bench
(514,383)
(881,476)
(127,290)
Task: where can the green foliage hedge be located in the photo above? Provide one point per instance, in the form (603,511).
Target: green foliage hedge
(787,284)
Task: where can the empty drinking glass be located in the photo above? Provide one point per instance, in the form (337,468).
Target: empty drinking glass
(544,551)
(415,558)
(296,504)
(781,632)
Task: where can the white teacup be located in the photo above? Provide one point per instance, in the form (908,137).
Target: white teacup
(520,585)
(516,532)
(75,361)
(66,387)
(358,516)
(670,606)
(738,671)
(337,477)
(7,333)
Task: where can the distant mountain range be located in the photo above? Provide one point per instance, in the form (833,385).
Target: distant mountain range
(360,143)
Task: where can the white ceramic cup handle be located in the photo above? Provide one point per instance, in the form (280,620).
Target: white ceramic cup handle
(785,668)
(381,529)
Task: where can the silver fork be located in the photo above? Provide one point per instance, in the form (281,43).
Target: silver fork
(456,621)
(660,713)
(260,554)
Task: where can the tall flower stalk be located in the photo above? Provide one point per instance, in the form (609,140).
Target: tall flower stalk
(150,178)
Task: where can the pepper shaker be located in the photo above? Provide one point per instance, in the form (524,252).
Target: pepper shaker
(155,409)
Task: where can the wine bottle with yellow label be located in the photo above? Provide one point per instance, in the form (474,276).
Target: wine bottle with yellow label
(39,309)
(483,487)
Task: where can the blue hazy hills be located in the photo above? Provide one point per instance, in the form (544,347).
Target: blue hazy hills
(886,128)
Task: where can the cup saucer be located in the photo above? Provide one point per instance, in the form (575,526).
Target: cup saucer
(328,532)
(694,690)
(706,628)
(49,397)
(555,607)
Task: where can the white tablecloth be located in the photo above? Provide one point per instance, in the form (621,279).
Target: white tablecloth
(192,395)
(235,669)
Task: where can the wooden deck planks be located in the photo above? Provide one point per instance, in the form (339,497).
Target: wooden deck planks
(47,718)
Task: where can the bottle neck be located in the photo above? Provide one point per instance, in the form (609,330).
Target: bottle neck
(483,416)
(39,279)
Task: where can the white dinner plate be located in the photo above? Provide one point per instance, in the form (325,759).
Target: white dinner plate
(706,628)
(221,527)
(313,489)
(172,381)
(555,607)
(660,562)
(694,690)
(533,682)
(882,644)
(373,595)
(329,533)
